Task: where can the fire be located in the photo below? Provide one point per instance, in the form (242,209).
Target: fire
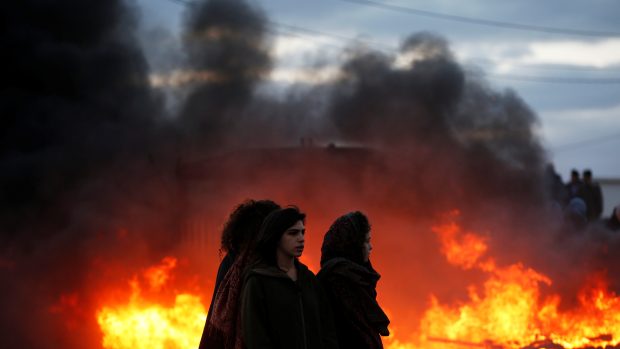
(462,249)
(158,276)
(512,309)
(143,323)
(508,311)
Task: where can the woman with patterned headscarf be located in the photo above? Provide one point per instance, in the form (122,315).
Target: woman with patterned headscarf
(350,283)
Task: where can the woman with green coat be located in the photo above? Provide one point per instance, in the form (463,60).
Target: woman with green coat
(283,305)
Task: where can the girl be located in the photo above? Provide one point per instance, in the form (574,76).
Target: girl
(349,281)
(283,305)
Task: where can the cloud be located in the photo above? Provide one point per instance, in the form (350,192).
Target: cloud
(287,48)
(318,75)
(600,54)
(180,77)
(506,57)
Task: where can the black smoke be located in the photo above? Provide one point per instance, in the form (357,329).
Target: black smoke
(80,129)
(92,173)
(227,42)
(376,102)
(440,118)
(75,97)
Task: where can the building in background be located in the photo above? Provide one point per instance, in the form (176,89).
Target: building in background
(611,194)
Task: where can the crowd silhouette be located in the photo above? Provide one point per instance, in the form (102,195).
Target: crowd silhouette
(580,199)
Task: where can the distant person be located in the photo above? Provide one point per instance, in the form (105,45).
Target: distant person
(574,186)
(613,222)
(283,305)
(238,237)
(592,195)
(575,214)
(350,282)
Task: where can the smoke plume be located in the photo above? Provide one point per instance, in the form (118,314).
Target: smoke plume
(95,182)
(79,122)
(227,41)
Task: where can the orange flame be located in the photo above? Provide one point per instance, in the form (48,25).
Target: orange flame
(462,249)
(509,311)
(142,324)
(158,276)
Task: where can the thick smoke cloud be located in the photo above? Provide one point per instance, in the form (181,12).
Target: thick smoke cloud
(445,120)
(95,180)
(75,97)
(226,40)
(79,121)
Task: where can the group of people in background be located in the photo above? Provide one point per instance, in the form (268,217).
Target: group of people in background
(581,199)
(264,297)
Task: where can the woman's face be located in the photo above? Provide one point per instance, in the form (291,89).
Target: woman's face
(292,241)
(367,248)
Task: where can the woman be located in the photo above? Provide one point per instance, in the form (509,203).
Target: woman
(238,237)
(349,281)
(282,304)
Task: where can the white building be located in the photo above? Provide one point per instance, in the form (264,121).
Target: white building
(611,194)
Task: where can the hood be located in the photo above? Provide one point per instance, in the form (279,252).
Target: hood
(345,238)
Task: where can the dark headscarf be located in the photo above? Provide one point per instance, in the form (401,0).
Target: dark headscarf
(351,283)
(345,238)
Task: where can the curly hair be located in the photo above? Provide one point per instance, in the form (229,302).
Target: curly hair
(345,238)
(244,223)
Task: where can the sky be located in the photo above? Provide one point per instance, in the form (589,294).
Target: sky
(563,59)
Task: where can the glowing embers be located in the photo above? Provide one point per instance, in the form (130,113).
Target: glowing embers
(147,321)
(508,310)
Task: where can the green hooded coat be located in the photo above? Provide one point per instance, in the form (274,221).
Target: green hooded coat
(279,313)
